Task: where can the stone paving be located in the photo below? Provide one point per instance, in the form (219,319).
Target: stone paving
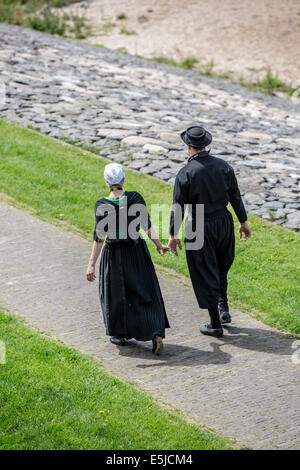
(132,110)
(244,385)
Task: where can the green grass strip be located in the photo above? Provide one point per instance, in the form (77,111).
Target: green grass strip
(52,397)
(63,182)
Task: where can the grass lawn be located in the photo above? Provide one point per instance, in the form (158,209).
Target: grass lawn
(52,397)
(62,183)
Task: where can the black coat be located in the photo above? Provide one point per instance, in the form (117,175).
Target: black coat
(210,181)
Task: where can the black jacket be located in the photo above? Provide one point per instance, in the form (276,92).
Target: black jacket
(210,181)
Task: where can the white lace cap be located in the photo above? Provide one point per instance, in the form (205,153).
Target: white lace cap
(114,174)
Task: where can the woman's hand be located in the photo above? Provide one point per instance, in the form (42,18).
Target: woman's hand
(90,273)
(161,249)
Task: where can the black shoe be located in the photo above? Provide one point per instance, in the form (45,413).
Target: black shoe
(224,313)
(117,341)
(225,317)
(208,330)
(157,345)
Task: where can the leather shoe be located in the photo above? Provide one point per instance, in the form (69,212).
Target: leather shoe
(117,341)
(208,330)
(157,345)
(224,313)
(225,317)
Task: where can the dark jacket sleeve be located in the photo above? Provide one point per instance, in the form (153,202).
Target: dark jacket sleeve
(145,219)
(179,200)
(97,220)
(235,198)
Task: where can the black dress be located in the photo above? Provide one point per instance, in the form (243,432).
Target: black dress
(130,296)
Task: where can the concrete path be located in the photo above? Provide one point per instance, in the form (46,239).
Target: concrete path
(244,385)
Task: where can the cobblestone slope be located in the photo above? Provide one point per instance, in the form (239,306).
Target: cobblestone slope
(133,110)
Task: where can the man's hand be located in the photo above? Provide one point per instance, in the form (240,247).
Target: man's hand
(173,243)
(90,273)
(244,229)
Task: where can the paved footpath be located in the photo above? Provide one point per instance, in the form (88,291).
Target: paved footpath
(244,385)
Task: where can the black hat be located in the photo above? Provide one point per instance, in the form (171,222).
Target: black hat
(196,136)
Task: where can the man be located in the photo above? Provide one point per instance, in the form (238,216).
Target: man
(209,181)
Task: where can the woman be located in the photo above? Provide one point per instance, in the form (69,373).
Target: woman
(130,296)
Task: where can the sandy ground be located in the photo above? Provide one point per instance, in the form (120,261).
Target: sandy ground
(237,35)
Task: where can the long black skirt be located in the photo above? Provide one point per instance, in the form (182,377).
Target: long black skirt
(209,266)
(130,296)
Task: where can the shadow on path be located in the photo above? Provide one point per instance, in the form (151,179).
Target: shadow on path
(258,339)
(175,355)
(253,339)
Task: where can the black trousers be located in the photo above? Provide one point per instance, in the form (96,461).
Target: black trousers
(209,266)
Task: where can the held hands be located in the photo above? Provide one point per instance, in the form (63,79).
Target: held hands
(90,273)
(173,243)
(161,249)
(244,229)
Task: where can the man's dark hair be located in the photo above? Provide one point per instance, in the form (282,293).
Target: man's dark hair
(198,149)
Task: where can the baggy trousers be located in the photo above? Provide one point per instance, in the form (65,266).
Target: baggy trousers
(208,267)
